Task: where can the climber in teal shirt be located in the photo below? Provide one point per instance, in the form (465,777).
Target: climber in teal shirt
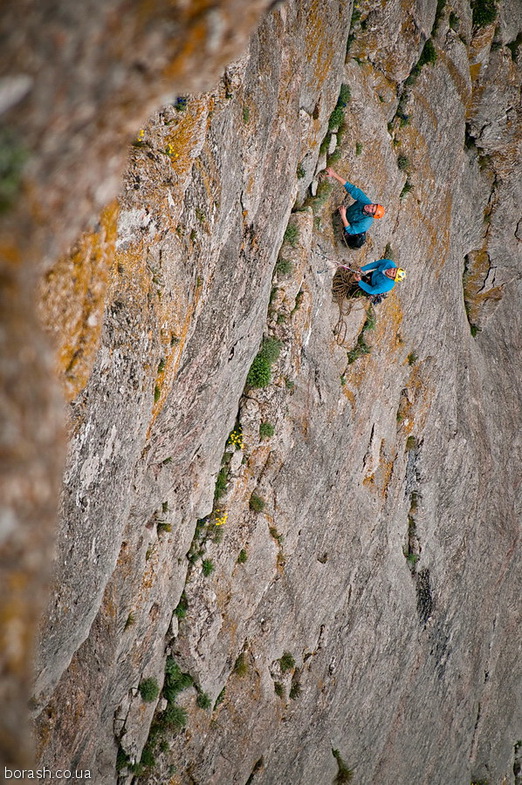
(358,217)
(380,276)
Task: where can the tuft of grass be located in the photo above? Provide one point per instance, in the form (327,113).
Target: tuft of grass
(203,701)
(182,607)
(260,373)
(174,717)
(454,21)
(256,503)
(291,234)
(345,95)
(336,118)
(221,483)
(242,557)
(358,148)
(428,54)
(284,267)
(157,393)
(161,365)
(286,662)
(241,665)
(246,114)
(484,12)
(301,172)
(412,358)
(344,773)
(295,691)
(149,690)
(361,348)
(407,188)
(411,443)
(403,162)
(279,689)
(175,680)
(266,430)
(207,567)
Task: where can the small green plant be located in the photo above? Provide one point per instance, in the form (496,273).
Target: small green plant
(454,21)
(157,393)
(428,54)
(411,443)
(371,319)
(295,691)
(514,47)
(407,188)
(412,558)
(203,701)
(241,665)
(161,365)
(260,373)
(291,234)
(279,689)
(344,773)
(221,483)
(242,557)
(174,717)
(256,503)
(412,358)
(182,607)
(163,526)
(301,171)
(336,118)
(149,690)
(474,329)
(122,759)
(484,12)
(388,252)
(175,680)
(325,144)
(12,159)
(131,619)
(403,162)
(358,148)
(286,662)
(284,267)
(220,698)
(246,114)
(207,567)
(266,430)
(361,348)
(345,95)
(180,103)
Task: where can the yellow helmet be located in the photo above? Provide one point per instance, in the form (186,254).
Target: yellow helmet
(400,275)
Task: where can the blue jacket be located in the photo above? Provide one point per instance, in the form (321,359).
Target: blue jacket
(359,222)
(380,283)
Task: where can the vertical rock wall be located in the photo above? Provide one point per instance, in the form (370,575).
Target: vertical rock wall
(349,581)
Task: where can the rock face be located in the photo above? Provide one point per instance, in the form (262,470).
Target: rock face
(251,578)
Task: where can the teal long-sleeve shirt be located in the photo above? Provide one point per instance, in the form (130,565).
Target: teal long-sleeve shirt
(380,283)
(357,219)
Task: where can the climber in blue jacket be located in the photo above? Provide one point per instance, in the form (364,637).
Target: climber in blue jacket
(381,276)
(358,217)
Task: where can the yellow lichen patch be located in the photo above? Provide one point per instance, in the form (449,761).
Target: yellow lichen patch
(72,301)
(477,269)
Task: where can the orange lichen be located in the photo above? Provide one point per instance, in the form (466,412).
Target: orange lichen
(73,299)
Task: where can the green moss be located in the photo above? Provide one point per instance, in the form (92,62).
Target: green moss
(242,557)
(428,55)
(241,665)
(207,567)
(291,234)
(266,430)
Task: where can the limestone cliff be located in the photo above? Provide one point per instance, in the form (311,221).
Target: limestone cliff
(317,577)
